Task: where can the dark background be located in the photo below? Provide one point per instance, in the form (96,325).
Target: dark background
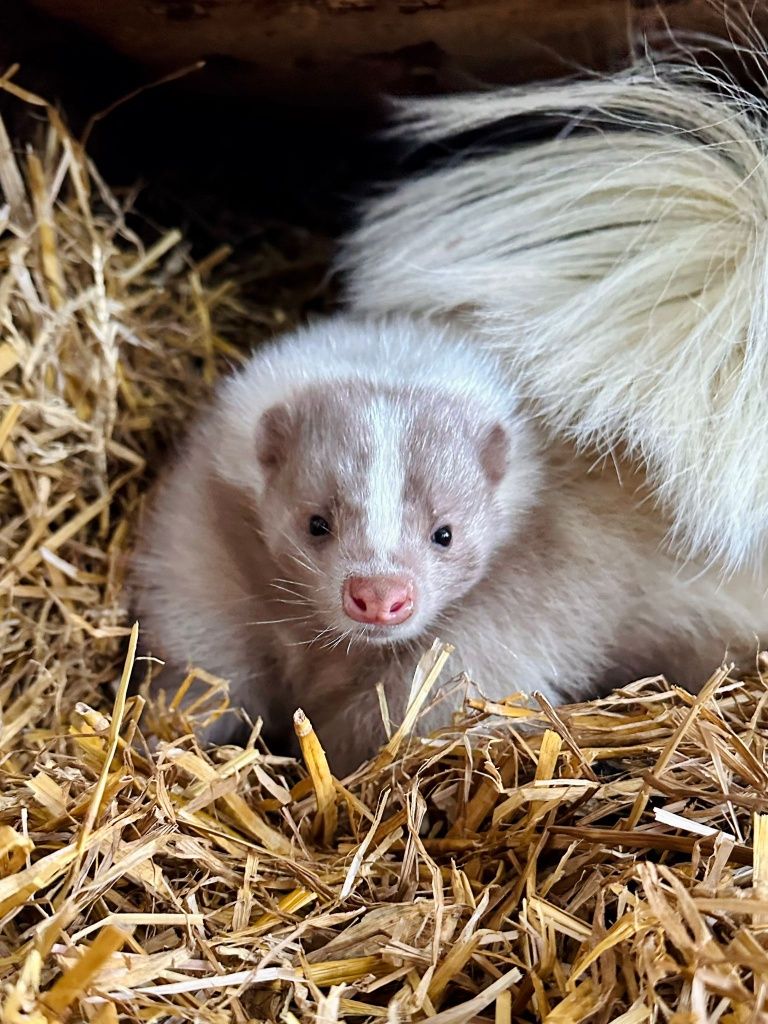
(244,147)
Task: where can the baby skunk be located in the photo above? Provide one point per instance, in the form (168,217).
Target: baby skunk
(361,487)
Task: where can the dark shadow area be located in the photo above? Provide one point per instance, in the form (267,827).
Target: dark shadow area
(213,165)
(224,167)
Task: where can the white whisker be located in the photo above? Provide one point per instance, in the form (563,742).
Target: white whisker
(295,583)
(277,622)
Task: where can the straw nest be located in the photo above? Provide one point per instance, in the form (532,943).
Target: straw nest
(608,862)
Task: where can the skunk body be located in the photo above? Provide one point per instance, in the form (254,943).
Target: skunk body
(364,486)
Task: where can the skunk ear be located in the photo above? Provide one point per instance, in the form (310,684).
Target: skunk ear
(494,453)
(273,436)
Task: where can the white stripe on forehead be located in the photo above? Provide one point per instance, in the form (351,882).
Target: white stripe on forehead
(384,498)
(386,353)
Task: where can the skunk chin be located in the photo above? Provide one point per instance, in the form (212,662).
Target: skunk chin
(384,636)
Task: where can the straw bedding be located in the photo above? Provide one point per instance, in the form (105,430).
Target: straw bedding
(607,862)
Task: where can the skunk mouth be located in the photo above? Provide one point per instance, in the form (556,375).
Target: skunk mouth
(381,635)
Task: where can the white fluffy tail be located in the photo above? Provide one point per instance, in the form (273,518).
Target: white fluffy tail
(623,271)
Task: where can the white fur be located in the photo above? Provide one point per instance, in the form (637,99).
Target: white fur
(398,350)
(384,506)
(623,274)
(576,591)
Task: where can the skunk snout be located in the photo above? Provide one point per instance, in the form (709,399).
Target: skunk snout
(378,600)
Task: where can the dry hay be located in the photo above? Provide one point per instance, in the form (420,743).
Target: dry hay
(608,863)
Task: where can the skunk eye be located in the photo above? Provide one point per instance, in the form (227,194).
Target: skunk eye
(442,537)
(318,526)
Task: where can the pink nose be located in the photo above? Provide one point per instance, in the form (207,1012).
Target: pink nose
(379,600)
